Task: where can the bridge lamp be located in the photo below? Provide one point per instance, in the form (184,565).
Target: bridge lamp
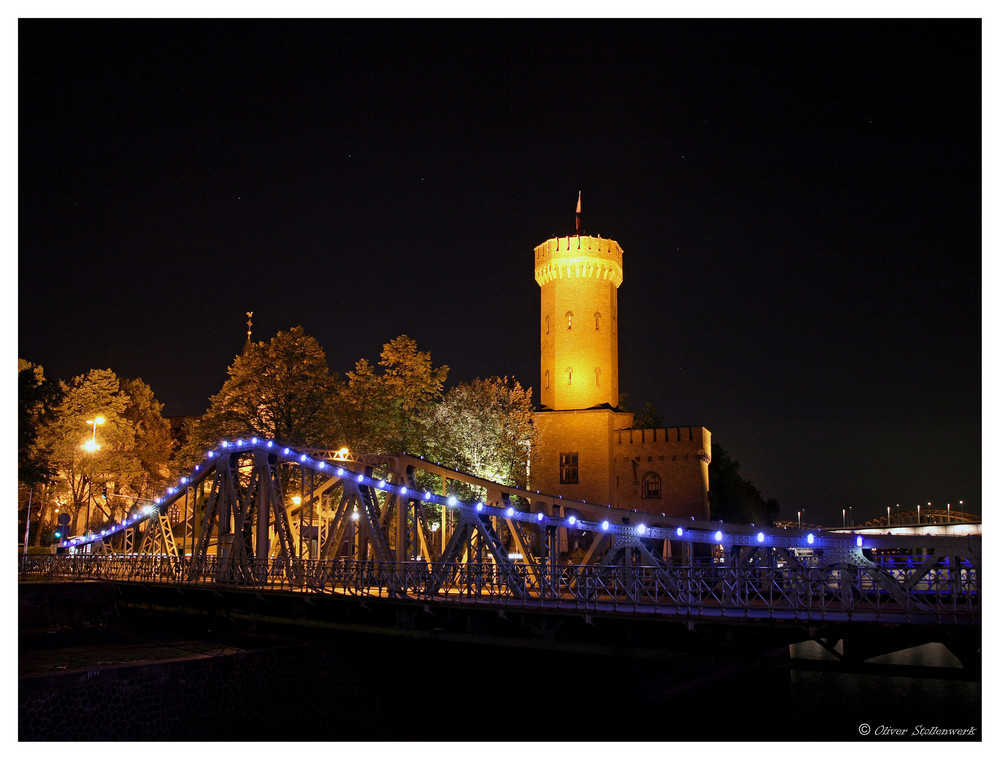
(270,444)
(239,441)
(479,506)
(452,501)
(340,470)
(810,538)
(760,537)
(605,525)
(680,531)
(434,527)
(253,440)
(718,536)
(303,458)
(860,541)
(354,515)
(571,520)
(296,500)
(381,484)
(540,516)
(361,478)
(641,529)
(427,495)
(510,511)
(322,465)
(402,490)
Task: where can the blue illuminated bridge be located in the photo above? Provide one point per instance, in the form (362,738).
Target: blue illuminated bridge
(398,544)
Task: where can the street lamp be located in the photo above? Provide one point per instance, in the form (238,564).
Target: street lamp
(888,516)
(92,445)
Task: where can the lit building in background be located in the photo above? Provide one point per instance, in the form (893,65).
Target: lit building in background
(586,446)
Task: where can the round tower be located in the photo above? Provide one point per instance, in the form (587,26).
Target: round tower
(579,277)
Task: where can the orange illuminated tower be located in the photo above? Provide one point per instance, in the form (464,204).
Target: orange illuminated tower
(586,448)
(579,276)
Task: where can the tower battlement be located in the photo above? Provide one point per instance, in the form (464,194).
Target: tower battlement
(578,256)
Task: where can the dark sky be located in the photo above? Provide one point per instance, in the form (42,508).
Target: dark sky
(799,204)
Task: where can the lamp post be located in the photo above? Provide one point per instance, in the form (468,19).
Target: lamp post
(92,446)
(800,519)
(843,518)
(888,516)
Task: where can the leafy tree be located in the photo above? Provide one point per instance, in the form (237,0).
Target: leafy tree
(37,398)
(134,445)
(391,412)
(485,428)
(732,498)
(648,418)
(280,390)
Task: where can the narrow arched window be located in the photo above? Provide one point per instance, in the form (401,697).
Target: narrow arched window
(597,320)
(546,378)
(569,376)
(597,375)
(569,320)
(614,326)
(651,486)
(546,324)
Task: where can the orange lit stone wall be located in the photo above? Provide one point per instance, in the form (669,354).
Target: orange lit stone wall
(589,434)
(678,455)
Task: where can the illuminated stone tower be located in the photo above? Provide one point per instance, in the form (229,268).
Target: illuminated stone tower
(579,278)
(586,448)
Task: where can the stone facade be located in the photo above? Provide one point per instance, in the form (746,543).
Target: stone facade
(586,448)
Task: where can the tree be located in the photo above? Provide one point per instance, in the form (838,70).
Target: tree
(391,412)
(37,398)
(485,428)
(732,498)
(134,445)
(281,390)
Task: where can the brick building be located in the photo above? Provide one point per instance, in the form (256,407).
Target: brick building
(586,446)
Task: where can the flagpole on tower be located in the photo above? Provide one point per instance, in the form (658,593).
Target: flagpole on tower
(579,199)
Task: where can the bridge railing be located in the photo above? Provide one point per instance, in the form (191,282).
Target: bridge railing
(942,594)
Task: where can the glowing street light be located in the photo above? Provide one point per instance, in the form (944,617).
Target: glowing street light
(92,445)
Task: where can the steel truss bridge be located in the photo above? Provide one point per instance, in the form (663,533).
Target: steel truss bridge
(257,515)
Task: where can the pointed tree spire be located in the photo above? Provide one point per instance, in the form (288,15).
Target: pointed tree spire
(579,200)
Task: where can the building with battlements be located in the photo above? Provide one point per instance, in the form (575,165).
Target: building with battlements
(586,447)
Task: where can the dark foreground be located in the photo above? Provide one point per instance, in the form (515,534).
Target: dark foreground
(91,671)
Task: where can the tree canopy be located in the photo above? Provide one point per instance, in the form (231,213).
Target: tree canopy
(132,460)
(281,389)
(485,428)
(731,497)
(390,411)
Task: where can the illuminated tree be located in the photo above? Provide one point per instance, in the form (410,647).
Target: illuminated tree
(133,439)
(391,412)
(485,428)
(279,390)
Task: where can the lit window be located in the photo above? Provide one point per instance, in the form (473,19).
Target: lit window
(546,324)
(569,320)
(651,486)
(569,468)
(546,378)
(597,321)
(597,376)
(569,376)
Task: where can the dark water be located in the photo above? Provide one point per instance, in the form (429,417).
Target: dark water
(355,687)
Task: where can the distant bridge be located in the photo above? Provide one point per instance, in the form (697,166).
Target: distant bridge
(259,516)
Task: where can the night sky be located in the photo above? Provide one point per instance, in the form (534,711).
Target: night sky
(799,204)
